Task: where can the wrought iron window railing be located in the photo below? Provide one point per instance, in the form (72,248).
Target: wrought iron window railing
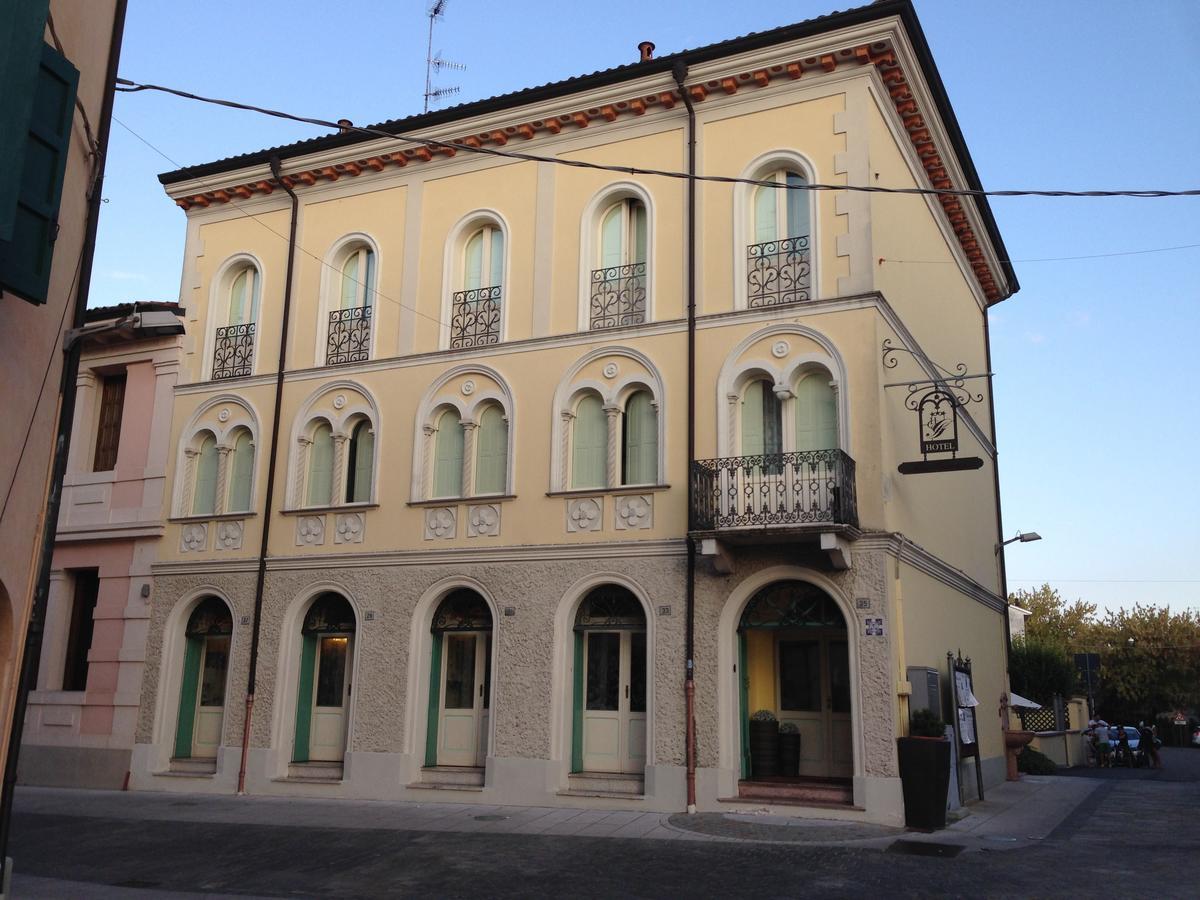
(618,296)
(801,488)
(349,337)
(234,353)
(475,318)
(778,272)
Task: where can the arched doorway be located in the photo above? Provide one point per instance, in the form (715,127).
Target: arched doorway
(460,681)
(794,660)
(202,688)
(326,667)
(609,691)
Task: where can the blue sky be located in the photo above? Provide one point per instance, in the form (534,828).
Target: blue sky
(1093,358)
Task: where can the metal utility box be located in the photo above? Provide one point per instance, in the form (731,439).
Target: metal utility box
(926,689)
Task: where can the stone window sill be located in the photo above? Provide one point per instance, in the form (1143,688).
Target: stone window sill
(223,517)
(622,490)
(322,510)
(453,501)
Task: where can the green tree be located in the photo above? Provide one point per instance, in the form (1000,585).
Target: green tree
(1052,620)
(1149,660)
(1039,669)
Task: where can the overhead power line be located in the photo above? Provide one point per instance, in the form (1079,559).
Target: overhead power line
(129,87)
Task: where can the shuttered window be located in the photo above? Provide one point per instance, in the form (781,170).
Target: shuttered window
(589,444)
(483,259)
(320,467)
(204,497)
(816,414)
(623,234)
(640,460)
(491,470)
(108,431)
(762,420)
(358,273)
(241,472)
(448,456)
(361,465)
(781,212)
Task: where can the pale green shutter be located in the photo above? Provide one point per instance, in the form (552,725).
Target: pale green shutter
(765,223)
(772,420)
(448,456)
(237,297)
(204,498)
(188,686)
(473,262)
(589,444)
(320,467)
(752,419)
(638,211)
(496,278)
(368,278)
(350,282)
(797,206)
(816,414)
(242,473)
(641,440)
(491,468)
(362,463)
(611,234)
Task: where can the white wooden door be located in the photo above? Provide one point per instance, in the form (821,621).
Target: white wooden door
(464,701)
(814,693)
(331,697)
(210,698)
(614,708)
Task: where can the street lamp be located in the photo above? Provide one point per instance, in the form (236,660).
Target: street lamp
(141,323)
(1023,538)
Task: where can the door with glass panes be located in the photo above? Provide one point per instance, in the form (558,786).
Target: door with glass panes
(331,697)
(210,699)
(814,694)
(465,698)
(614,709)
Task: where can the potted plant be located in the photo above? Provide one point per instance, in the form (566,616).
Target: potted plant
(924,770)
(789,749)
(764,744)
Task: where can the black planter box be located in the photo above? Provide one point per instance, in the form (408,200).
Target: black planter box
(789,754)
(764,748)
(925,780)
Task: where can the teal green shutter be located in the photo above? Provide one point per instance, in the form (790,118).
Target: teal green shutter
(816,414)
(242,474)
(187,698)
(304,696)
(25,260)
(320,467)
(766,225)
(589,444)
(752,419)
(797,206)
(448,456)
(641,440)
(204,498)
(577,707)
(435,697)
(362,463)
(491,470)
(21,31)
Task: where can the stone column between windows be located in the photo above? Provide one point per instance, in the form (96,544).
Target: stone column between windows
(337,492)
(469,428)
(427,462)
(189,480)
(58,623)
(302,445)
(614,445)
(731,426)
(568,419)
(222,477)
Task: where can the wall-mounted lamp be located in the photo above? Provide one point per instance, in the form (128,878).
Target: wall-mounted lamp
(1023,538)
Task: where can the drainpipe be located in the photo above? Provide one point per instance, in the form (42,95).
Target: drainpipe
(679,71)
(32,651)
(271,465)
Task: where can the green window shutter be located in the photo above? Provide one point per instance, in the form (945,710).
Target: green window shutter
(368,280)
(448,456)
(611,243)
(752,419)
(496,275)
(320,467)
(589,451)
(242,473)
(242,285)
(362,463)
(765,225)
(641,440)
(187,698)
(304,697)
(21,30)
(350,282)
(473,262)
(797,207)
(491,470)
(204,498)
(435,699)
(816,414)
(25,259)
(577,707)
(638,211)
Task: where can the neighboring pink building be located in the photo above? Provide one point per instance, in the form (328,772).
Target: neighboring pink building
(80,722)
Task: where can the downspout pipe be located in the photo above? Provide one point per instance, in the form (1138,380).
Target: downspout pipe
(67,392)
(679,71)
(1003,568)
(272,456)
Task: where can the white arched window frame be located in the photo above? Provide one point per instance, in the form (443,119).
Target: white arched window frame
(344,406)
(788,263)
(233,329)
(350,275)
(475,275)
(610,273)
(230,419)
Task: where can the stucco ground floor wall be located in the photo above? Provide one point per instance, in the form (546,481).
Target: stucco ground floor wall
(533,594)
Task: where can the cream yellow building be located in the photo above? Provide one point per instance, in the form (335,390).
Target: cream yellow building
(483,489)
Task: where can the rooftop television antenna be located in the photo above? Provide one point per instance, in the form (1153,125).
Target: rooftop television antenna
(434,62)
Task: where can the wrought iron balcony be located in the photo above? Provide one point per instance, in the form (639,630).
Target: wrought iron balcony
(475,318)
(778,272)
(349,338)
(618,296)
(807,487)
(234,354)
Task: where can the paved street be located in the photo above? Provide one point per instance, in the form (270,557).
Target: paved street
(1137,833)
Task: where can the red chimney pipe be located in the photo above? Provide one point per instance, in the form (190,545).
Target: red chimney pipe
(647,50)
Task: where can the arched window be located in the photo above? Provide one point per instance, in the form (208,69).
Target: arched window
(491,467)
(360,466)
(357,278)
(781,212)
(348,338)
(589,444)
(618,285)
(778,255)
(816,413)
(204,495)
(639,461)
(762,419)
(241,472)
(320,467)
(234,347)
(448,456)
(475,314)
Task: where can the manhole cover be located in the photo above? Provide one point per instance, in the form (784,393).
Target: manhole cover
(925,848)
(489,817)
